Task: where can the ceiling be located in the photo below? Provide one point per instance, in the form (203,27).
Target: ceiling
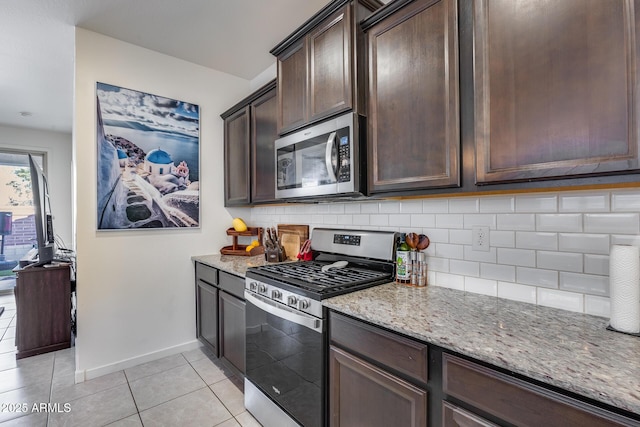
(37,49)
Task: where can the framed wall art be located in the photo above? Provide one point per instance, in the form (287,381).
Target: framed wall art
(148,150)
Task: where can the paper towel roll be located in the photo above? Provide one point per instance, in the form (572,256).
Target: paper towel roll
(624,288)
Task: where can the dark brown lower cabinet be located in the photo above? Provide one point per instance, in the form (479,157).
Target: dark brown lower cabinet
(43,304)
(232,325)
(452,416)
(362,394)
(207,315)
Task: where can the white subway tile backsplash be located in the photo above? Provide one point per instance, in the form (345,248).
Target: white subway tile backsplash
(585,283)
(625,240)
(517,292)
(488,220)
(481,286)
(561,299)
(597,306)
(461,237)
(502,239)
(545,248)
(497,204)
(464,205)
(423,220)
(627,201)
(532,240)
(537,203)
(400,220)
(584,243)
(465,268)
(516,222)
(584,202)
(369,208)
(435,206)
(380,220)
(562,261)
(596,264)
(506,273)
(438,264)
(521,257)
(411,206)
(389,207)
(537,277)
(559,222)
(447,280)
(361,219)
(352,208)
(446,250)
(471,255)
(618,223)
(437,235)
(449,220)
(345,219)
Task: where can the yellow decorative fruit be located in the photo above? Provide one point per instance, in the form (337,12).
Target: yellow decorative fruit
(252,245)
(239,225)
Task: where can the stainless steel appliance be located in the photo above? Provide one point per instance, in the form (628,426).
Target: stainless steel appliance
(322,160)
(286,339)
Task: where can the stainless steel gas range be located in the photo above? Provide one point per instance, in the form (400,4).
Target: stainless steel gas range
(286,339)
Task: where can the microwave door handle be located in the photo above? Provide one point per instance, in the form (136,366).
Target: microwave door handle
(328,152)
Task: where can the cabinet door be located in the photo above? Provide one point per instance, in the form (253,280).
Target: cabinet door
(330,88)
(361,394)
(414,131)
(556,88)
(207,315)
(232,330)
(237,159)
(292,87)
(264,131)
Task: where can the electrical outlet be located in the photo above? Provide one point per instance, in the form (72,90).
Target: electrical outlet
(480,238)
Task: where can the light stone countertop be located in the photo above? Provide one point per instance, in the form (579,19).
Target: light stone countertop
(569,350)
(231,263)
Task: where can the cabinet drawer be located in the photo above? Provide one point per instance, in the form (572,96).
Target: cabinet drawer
(232,284)
(398,353)
(452,416)
(206,274)
(518,402)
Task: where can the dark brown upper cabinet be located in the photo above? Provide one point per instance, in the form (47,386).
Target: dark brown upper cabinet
(250,131)
(319,65)
(555,88)
(413,114)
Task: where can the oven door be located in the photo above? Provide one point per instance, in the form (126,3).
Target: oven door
(317,161)
(285,362)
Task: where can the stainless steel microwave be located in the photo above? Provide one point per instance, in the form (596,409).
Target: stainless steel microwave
(322,160)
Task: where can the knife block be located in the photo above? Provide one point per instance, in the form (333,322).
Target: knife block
(274,255)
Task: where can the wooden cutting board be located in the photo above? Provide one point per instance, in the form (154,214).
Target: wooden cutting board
(298,230)
(291,244)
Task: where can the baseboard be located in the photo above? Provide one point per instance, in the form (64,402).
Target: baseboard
(88,374)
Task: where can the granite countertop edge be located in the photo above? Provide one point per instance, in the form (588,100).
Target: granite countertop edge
(232,264)
(572,351)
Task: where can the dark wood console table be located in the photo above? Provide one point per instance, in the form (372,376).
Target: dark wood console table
(43,303)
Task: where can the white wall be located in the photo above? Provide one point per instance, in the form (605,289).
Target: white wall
(549,249)
(57,146)
(135,288)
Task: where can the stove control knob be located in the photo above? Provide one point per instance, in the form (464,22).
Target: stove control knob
(253,286)
(262,288)
(276,294)
(304,304)
(292,300)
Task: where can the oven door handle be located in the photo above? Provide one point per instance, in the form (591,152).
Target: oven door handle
(270,307)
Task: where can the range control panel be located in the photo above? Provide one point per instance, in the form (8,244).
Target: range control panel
(346,239)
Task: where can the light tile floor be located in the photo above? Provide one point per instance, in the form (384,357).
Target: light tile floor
(188,389)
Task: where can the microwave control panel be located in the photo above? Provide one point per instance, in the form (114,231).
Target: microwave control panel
(344,153)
